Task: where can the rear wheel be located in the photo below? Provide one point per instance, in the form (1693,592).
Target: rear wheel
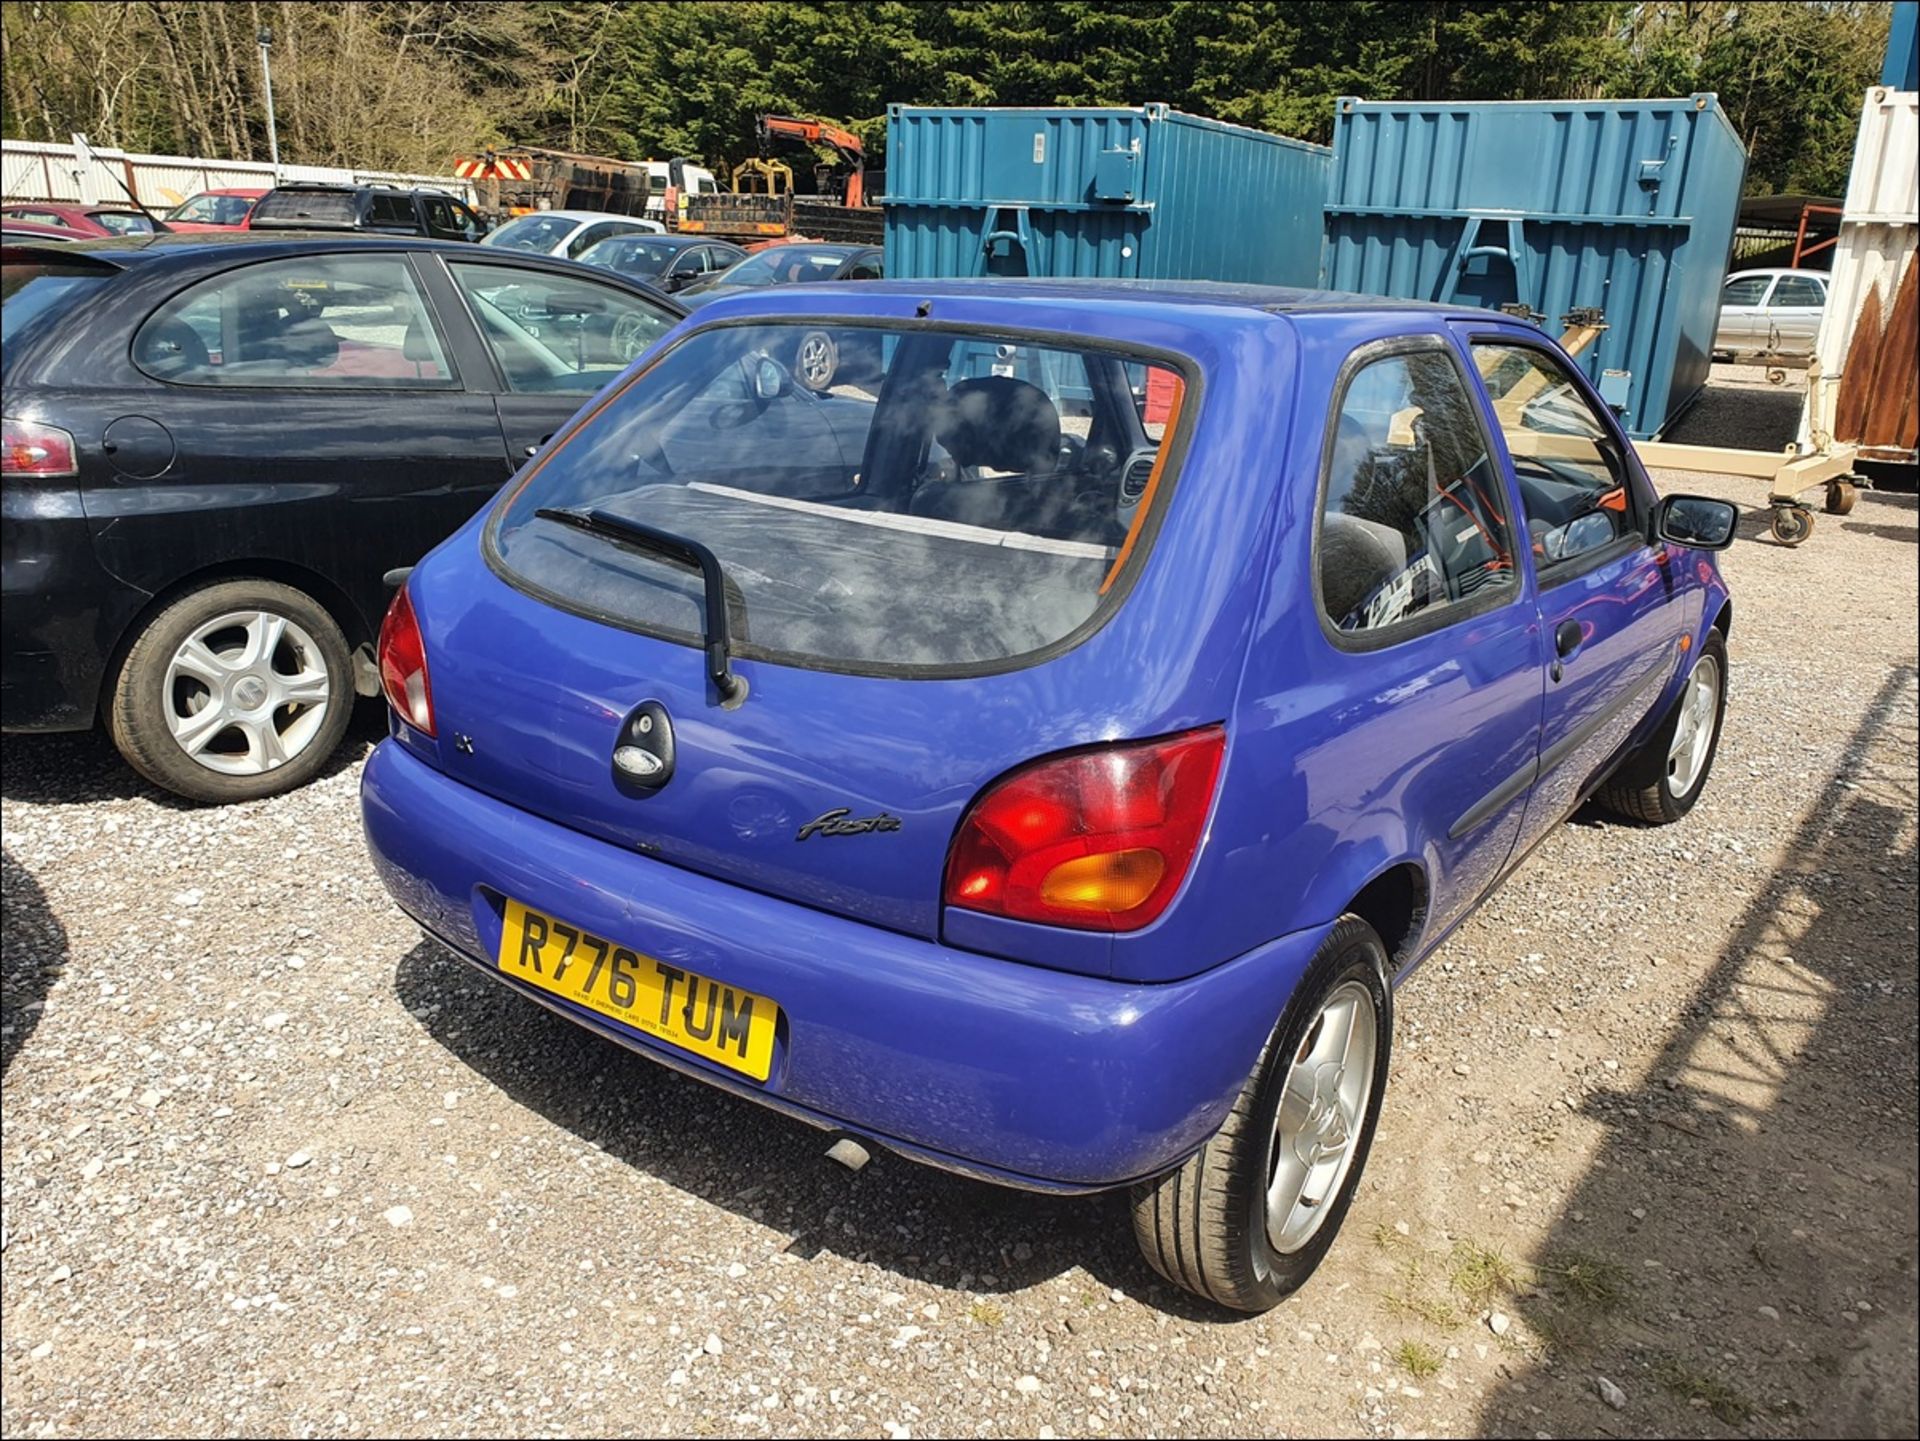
(239,690)
(1248,1219)
(1660,782)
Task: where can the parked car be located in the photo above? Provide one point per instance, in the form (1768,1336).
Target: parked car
(214,210)
(667,262)
(981,771)
(790,264)
(381,209)
(217,446)
(821,358)
(569,233)
(12,231)
(97,220)
(1770,314)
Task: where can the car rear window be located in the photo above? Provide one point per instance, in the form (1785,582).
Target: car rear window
(33,292)
(537,234)
(316,207)
(879,499)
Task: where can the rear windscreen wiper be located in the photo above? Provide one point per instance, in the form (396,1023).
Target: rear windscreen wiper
(716,637)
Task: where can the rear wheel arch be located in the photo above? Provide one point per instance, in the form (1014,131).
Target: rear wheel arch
(1395,903)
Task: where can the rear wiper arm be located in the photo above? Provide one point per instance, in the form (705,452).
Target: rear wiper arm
(716,637)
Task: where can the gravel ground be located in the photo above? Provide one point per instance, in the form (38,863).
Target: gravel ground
(274,1164)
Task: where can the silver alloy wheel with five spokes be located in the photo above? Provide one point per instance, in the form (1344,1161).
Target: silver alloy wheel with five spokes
(1321,1116)
(1693,736)
(246,692)
(816,360)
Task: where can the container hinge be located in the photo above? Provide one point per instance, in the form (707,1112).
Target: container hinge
(1520,310)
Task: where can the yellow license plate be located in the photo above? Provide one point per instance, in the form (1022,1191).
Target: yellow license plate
(720,1022)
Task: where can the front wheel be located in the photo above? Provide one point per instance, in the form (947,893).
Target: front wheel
(1248,1218)
(1660,782)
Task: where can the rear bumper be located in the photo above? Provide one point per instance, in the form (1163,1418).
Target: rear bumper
(59,612)
(1014,1073)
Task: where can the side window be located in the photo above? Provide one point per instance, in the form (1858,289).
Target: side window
(332,321)
(1797,292)
(557,332)
(590,235)
(440,216)
(1414,516)
(390,210)
(1573,478)
(466,222)
(1745,291)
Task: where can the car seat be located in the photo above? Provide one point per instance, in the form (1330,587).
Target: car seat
(173,350)
(998,424)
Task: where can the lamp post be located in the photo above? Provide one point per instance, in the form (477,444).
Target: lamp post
(266,74)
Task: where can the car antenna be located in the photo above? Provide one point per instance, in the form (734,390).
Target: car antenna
(84,152)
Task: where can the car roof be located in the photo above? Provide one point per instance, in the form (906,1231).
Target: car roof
(130,251)
(1186,294)
(1776,270)
(580,215)
(832,247)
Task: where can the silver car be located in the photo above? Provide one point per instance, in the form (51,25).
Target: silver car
(1770,314)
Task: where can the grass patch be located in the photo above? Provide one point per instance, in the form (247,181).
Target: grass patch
(1482,1274)
(986,1313)
(1591,1281)
(1691,1384)
(1386,1238)
(1417,1359)
(1436,1311)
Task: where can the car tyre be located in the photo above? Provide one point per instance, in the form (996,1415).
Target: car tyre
(816,360)
(1228,1225)
(1659,783)
(238,690)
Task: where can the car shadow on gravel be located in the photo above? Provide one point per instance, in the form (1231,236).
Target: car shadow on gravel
(76,768)
(33,948)
(913,1220)
(1741,1253)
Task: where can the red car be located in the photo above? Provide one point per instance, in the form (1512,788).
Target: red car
(80,220)
(214,210)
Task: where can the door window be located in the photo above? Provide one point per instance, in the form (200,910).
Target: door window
(1413,517)
(1746,291)
(1573,478)
(1798,292)
(389,210)
(466,222)
(335,321)
(557,332)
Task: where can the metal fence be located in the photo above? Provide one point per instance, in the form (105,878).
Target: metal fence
(37,170)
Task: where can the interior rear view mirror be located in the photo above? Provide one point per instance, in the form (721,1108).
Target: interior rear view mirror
(1698,521)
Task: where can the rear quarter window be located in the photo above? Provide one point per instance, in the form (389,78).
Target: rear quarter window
(881,500)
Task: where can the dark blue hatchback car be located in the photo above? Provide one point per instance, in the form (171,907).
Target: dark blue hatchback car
(1042,757)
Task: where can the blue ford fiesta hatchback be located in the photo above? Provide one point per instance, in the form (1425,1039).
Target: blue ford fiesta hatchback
(1042,757)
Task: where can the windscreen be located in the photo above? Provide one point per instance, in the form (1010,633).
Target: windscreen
(877,498)
(213,210)
(311,207)
(536,234)
(787,264)
(631,256)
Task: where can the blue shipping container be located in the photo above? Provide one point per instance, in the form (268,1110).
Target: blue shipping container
(1625,207)
(1135,193)
(1901,70)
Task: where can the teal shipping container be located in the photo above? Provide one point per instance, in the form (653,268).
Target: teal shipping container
(1625,208)
(1142,192)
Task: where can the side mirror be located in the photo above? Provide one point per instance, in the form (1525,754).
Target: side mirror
(1697,521)
(769,378)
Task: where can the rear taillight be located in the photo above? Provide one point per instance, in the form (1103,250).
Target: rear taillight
(29,448)
(403,665)
(1099,840)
